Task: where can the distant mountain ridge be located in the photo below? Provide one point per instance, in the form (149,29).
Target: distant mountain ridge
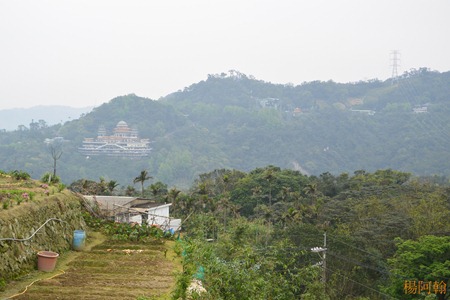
(10,119)
(237,122)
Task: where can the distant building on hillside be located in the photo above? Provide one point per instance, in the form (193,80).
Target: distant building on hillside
(420,109)
(55,140)
(297,111)
(123,142)
(270,103)
(364,111)
(355,101)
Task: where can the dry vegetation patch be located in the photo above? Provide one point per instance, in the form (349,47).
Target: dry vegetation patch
(108,271)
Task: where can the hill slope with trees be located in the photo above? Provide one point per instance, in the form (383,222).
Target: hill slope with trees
(269,229)
(235,121)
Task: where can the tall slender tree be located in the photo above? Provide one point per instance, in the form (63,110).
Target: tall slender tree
(144,176)
(270,176)
(55,148)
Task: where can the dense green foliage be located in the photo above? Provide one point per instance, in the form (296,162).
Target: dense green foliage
(226,121)
(426,259)
(126,232)
(284,158)
(252,234)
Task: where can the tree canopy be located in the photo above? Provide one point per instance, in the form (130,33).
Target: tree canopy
(233,121)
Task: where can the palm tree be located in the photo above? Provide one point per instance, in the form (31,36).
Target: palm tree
(112,184)
(310,189)
(159,190)
(173,194)
(130,191)
(142,178)
(102,186)
(269,176)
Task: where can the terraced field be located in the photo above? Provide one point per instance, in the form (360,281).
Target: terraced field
(109,270)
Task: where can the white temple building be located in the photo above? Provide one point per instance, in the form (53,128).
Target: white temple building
(123,142)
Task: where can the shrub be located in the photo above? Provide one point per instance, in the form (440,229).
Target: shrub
(5,204)
(20,175)
(49,178)
(2,284)
(61,187)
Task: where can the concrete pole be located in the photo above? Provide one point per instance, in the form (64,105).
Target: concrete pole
(324,261)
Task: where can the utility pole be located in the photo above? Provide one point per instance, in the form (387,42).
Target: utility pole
(395,59)
(323,257)
(324,260)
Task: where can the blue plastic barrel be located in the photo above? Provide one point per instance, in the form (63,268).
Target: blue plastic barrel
(79,237)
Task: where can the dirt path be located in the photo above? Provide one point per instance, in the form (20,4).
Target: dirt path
(104,270)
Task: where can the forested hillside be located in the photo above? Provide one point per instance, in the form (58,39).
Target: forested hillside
(276,176)
(278,234)
(235,121)
(332,132)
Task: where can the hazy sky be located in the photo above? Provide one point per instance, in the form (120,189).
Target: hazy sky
(84,53)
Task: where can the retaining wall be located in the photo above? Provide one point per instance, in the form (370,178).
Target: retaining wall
(21,221)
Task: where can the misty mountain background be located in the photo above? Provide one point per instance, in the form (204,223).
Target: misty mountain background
(234,121)
(10,119)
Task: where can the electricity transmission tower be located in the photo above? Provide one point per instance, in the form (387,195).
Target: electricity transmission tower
(395,64)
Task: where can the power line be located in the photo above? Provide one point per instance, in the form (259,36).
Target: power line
(363,285)
(354,247)
(362,264)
